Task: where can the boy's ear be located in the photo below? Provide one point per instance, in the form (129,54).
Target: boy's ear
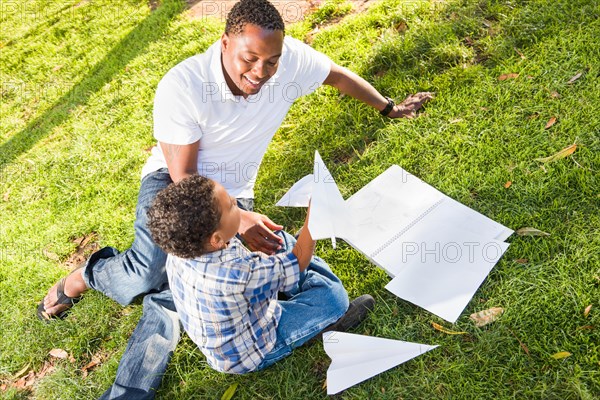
(216,241)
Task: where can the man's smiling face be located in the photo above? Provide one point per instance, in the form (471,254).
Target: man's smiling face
(250,58)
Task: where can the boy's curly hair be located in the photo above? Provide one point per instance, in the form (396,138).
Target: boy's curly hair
(256,12)
(184,216)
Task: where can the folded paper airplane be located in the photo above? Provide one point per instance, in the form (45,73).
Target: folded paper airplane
(355,358)
(437,250)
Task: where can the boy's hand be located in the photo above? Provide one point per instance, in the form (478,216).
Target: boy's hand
(257,231)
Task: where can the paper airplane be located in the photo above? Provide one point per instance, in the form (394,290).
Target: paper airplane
(356,358)
(438,250)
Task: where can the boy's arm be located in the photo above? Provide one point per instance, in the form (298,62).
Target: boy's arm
(305,245)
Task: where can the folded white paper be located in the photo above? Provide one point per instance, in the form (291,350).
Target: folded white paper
(355,358)
(438,250)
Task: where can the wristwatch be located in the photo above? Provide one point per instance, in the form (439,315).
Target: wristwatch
(388,109)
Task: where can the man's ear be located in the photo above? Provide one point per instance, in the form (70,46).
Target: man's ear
(224,42)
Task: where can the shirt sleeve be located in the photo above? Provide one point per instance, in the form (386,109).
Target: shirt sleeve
(312,66)
(174,114)
(278,273)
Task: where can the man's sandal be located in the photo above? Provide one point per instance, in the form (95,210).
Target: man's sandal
(62,298)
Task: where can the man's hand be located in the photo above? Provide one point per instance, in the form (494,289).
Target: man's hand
(257,231)
(408,108)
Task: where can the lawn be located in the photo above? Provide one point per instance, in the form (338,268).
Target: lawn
(78,79)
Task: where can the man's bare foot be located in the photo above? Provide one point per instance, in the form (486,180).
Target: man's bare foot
(74,286)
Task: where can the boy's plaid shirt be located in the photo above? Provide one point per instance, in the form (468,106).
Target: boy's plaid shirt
(227,302)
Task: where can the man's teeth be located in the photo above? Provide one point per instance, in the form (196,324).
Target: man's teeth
(252,82)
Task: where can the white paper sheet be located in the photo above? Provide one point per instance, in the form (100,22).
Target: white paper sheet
(299,194)
(356,358)
(438,250)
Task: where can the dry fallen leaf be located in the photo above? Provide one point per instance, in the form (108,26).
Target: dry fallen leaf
(57,68)
(521,261)
(555,94)
(574,78)
(587,310)
(89,366)
(325,384)
(550,122)
(504,77)
(507,184)
(561,354)
(440,328)
(485,317)
(567,151)
(6,196)
(59,353)
(527,231)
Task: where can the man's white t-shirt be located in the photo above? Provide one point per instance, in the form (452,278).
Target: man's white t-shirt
(193,103)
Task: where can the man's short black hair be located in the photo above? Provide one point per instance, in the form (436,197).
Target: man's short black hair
(184,216)
(256,12)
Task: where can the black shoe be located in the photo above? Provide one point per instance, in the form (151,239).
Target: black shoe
(357,312)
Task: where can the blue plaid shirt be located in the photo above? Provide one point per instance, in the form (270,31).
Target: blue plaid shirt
(227,302)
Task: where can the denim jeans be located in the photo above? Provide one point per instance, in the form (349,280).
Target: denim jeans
(317,301)
(124,276)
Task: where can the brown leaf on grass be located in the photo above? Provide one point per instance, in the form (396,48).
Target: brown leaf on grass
(550,122)
(440,328)
(574,78)
(567,151)
(57,68)
(587,310)
(504,77)
(401,27)
(89,366)
(521,261)
(488,316)
(554,94)
(6,196)
(527,231)
(25,381)
(59,353)
(86,245)
(507,184)
(325,384)
(560,355)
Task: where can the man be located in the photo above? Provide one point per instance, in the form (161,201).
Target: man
(214,114)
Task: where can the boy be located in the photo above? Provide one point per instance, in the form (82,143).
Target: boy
(226,296)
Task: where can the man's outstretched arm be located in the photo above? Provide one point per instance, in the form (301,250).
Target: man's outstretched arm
(353,85)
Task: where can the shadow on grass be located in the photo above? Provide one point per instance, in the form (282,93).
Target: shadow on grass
(146,32)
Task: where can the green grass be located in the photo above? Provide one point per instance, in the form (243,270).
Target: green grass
(77,91)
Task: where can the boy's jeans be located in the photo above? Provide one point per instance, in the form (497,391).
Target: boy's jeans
(318,300)
(141,269)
